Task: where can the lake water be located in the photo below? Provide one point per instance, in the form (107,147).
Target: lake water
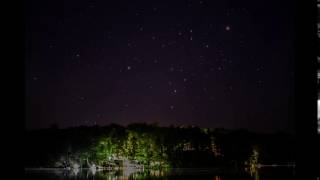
(198,174)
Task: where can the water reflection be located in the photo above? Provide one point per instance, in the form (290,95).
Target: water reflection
(176,174)
(126,173)
(254,173)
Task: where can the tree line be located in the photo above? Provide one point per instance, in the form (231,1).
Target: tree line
(153,146)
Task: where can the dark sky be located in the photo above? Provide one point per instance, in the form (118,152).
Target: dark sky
(201,62)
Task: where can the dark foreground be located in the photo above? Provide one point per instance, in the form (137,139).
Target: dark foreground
(85,174)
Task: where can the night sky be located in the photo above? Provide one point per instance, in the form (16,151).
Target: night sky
(197,62)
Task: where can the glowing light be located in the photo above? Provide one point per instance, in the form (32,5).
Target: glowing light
(76,171)
(318,109)
(76,166)
(93,169)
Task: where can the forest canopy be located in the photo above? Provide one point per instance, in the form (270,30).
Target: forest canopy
(152,146)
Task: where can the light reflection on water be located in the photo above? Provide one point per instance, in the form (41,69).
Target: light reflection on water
(124,174)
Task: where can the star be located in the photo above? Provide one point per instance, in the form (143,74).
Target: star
(228,28)
(35,78)
(191,38)
(171,107)
(184,79)
(129,67)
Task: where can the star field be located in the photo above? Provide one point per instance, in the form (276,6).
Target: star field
(212,64)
